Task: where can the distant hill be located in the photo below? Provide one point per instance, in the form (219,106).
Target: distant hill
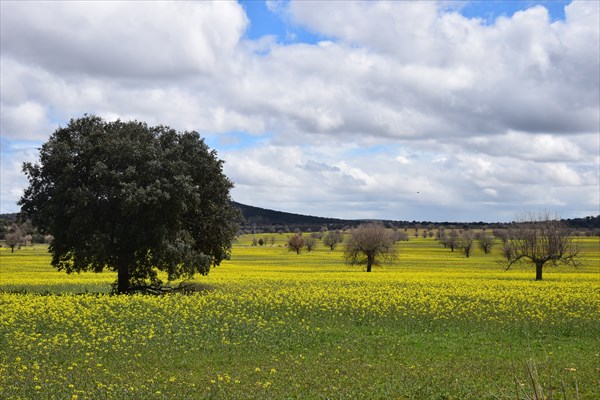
(263,219)
(260,217)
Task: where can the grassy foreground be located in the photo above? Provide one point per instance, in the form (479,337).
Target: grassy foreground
(436,325)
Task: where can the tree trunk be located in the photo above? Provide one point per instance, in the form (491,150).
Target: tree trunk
(369,262)
(123,275)
(538,270)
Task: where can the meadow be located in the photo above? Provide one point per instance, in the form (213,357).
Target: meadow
(273,324)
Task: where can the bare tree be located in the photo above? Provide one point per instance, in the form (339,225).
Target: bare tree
(441,236)
(400,236)
(332,239)
(369,244)
(295,243)
(465,242)
(485,241)
(540,238)
(451,240)
(13,239)
(316,235)
(311,242)
(27,239)
(501,234)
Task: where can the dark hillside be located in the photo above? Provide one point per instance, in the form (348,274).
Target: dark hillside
(256,217)
(587,222)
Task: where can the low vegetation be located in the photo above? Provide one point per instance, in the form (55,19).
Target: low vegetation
(270,323)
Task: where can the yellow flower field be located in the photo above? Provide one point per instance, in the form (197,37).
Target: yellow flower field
(274,324)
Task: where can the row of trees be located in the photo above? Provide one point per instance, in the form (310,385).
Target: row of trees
(465,240)
(539,239)
(298,241)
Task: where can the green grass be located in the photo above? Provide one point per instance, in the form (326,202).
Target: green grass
(435,325)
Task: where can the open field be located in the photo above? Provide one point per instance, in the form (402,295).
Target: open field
(435,325)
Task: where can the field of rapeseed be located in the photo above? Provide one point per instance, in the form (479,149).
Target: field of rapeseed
(274,324)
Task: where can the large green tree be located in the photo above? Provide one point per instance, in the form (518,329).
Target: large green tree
(131,198)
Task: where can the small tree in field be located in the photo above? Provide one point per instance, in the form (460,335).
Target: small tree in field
(131,198)
(369,245)
(14,238)
(400,236)
(540,239)
(501,234)
(451,240)
(332,239)
(465,242)
(311,243)
(485,241)
(295,243)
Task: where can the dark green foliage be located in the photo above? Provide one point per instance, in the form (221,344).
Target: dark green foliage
(132,198)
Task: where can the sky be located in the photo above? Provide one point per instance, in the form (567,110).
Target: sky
(426,111)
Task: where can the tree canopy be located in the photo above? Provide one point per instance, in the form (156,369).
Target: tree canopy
(540,238)
(369,244)
(131,198)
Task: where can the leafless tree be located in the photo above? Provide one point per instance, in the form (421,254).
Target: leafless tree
(451,239)
(485,241)
(441,236)
(465,242)
(27,239)
(501,234)
(333,238)
(540,238)
(295,243)
(400,236)
(311,242)
(369,245)
(316,235)
(14,237)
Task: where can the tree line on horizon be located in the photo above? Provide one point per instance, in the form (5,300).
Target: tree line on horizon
(536,238)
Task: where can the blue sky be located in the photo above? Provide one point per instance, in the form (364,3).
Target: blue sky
(491,9)
(266,21)
(331,108)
